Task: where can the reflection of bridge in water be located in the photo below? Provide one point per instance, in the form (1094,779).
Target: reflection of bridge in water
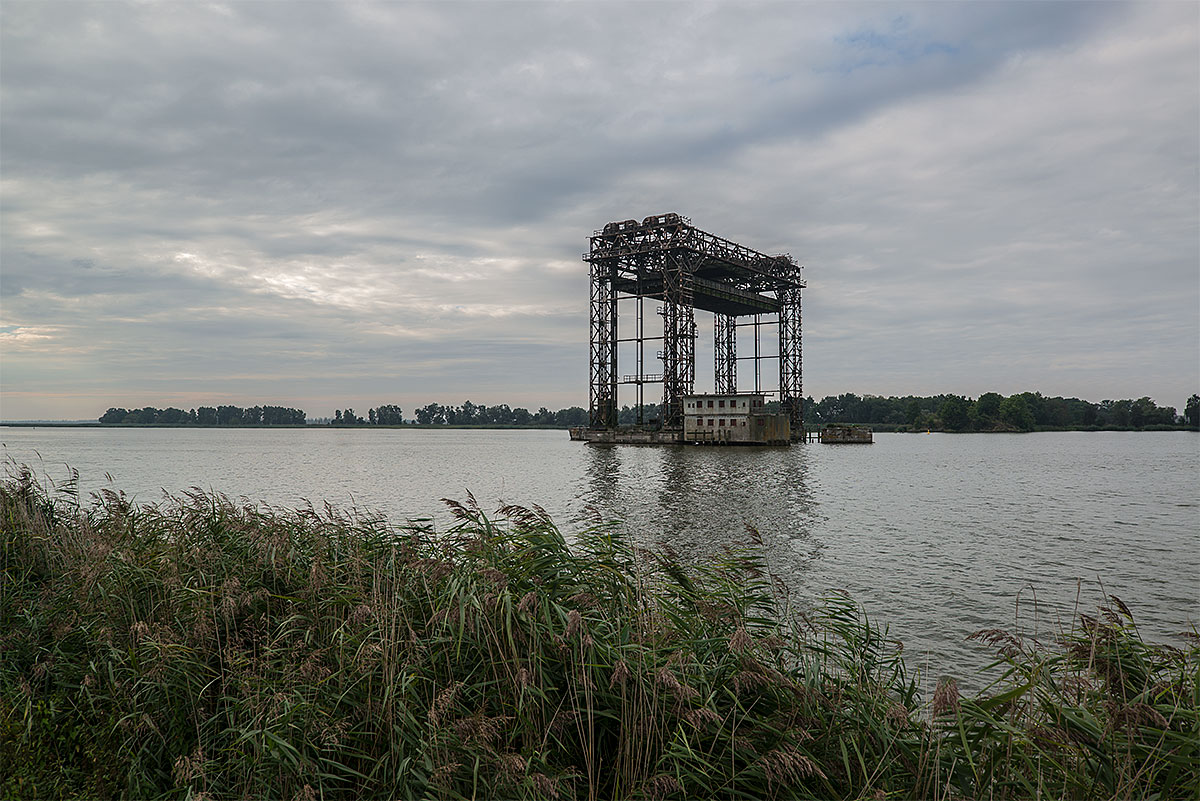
(696,501)
(665,258)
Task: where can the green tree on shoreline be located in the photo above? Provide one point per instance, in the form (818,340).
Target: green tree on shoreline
(1016,412)
(955,413)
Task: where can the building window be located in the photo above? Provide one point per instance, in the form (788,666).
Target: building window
(710,404)
(710,421)
(721,404)
(743,424)
(722,421)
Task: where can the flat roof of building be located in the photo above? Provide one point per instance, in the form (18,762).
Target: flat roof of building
(727,395)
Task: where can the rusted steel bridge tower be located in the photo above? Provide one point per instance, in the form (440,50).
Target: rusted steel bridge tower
(667,259)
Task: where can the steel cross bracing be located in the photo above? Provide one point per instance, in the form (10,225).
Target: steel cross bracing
(791,372)
(679,337)
(666,258)
(602,400)
(725,354)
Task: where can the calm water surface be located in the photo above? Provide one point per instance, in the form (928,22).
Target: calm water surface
(936,535)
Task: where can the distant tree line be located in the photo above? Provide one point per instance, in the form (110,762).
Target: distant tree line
(502,414)
(628,415)
(992,411)
(207,416)
(468,414)
(386,415)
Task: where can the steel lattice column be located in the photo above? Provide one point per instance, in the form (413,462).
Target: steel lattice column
(602,365)
(791,373)
(679,338)
(725,353)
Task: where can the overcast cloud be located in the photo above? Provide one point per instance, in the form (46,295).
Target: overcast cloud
(346,204)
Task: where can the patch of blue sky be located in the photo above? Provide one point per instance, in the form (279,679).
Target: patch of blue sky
(899,45)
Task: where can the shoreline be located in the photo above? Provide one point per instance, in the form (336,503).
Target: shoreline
(878,428)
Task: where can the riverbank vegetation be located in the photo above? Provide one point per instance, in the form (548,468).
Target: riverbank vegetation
(206,416)
(1026,411)
(991,411)
(500,414)
(202,648)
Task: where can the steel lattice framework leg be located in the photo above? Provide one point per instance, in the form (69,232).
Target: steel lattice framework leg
(725,353)
(679,338)
(602,366)
(791,373)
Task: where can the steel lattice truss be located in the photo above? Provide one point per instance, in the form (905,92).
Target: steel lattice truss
(725,353)
(667,259)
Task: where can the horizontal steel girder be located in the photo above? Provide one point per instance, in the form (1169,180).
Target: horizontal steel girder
(708,295)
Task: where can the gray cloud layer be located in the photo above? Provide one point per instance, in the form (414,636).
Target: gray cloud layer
(333,204)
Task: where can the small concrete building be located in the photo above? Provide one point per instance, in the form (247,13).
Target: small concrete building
(739,419)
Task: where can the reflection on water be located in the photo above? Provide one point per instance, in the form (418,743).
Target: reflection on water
(602,477)
(699,500)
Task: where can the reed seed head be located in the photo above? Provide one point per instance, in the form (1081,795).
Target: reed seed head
(946,697)
(620,674)
(787,765)
(528,602)
(661,786)
(740,642)
(443,701)
(545,786)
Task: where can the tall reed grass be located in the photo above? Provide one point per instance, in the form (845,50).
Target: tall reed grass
(198,648)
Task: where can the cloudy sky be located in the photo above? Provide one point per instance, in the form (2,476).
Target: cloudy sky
(342,204)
